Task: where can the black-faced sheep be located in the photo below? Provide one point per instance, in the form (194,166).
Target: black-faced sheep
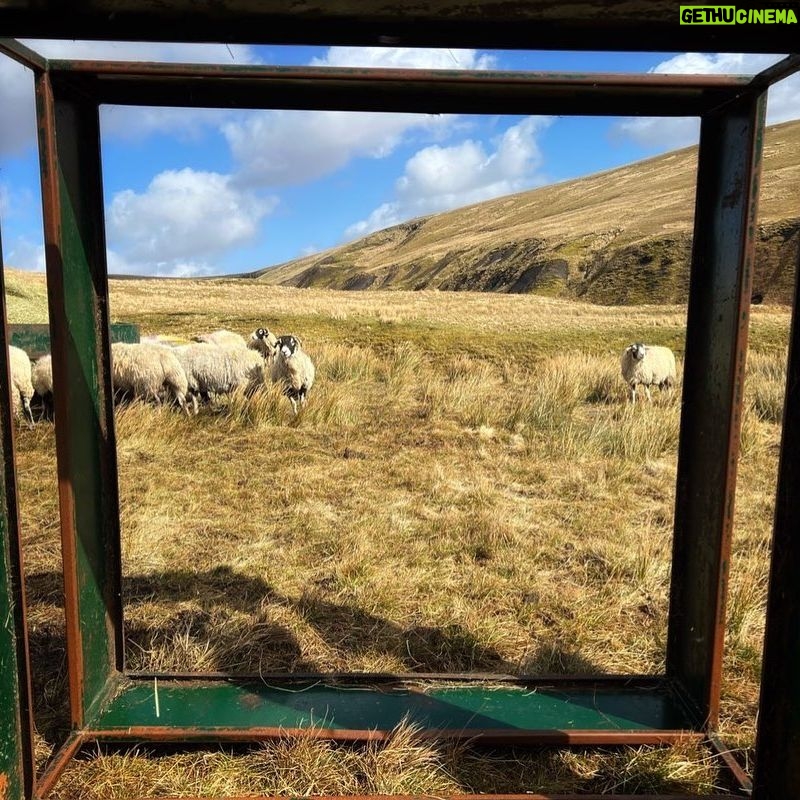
(648,365)
(263,341)
(294,369)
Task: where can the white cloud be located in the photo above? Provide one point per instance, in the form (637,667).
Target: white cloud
(17,126)
(25,254)
(172,52)
(183,217)
(293,147)
(666,132)
(441,178)
(404,58)
(279,148)
(5,201)
(119,265)
(18,129)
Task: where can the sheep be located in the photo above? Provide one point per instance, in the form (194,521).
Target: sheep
(147,371)
(294,369)
(19,366)
(212,370)
(263,341)
(221,337)
(648,365)
(42,379)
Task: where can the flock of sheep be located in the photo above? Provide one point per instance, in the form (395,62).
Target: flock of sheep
(218,363)
(152,370)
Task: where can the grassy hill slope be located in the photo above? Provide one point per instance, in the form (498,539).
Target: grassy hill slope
(621,236)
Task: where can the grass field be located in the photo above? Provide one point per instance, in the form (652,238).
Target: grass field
(466,491)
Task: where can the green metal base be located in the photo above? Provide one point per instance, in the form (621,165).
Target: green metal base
(569,711)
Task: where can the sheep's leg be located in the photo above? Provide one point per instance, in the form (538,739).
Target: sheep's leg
(633,393)
(184,406)
(647,393)
(26,405)
(293,401)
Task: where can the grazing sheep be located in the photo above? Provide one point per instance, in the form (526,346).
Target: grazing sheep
(42,379)
(148,371)
(294,369)
(222,338)
(263,341)
(212,370)
(648,365)
(19,366)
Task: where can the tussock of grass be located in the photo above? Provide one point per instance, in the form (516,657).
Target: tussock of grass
(765,385)
(406,764)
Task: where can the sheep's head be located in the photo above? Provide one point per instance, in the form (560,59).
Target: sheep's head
(288,345)
(264,341)
(637,351)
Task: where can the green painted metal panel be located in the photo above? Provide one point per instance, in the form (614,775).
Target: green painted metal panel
(16,758)
(215,705)
(96,517)
(11,778)
(10,732)
(77,290)
(35,339)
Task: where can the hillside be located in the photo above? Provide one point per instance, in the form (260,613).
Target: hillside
(621,236)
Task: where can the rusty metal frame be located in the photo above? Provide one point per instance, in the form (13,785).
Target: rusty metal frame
(521,24)
(16,713)
(732,113)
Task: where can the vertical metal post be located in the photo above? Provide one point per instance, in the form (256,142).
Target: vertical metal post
(16,721)
(777,772)
(75,251)
(728,177)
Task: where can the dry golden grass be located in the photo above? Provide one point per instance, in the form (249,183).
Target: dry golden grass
(466,490)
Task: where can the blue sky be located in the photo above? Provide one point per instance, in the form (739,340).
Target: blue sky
(210,192)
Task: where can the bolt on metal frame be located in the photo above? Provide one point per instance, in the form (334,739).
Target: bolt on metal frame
(110,704)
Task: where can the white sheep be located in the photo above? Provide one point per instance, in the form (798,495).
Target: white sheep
(42,379)
(648,365)
(222,338)
(212,370)
(148,371)
(263,341)
(294,369)
(19,366)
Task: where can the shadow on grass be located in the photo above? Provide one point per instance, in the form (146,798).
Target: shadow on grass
(230,625)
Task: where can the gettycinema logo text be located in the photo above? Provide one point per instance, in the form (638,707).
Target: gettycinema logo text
(730,15)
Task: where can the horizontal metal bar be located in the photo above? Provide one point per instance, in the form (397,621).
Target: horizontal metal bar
(23,55)
(152,733)
(523,24)
(574,712)
(421,91)
(619,682)
(145,69)
(481,797)
(777,72)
